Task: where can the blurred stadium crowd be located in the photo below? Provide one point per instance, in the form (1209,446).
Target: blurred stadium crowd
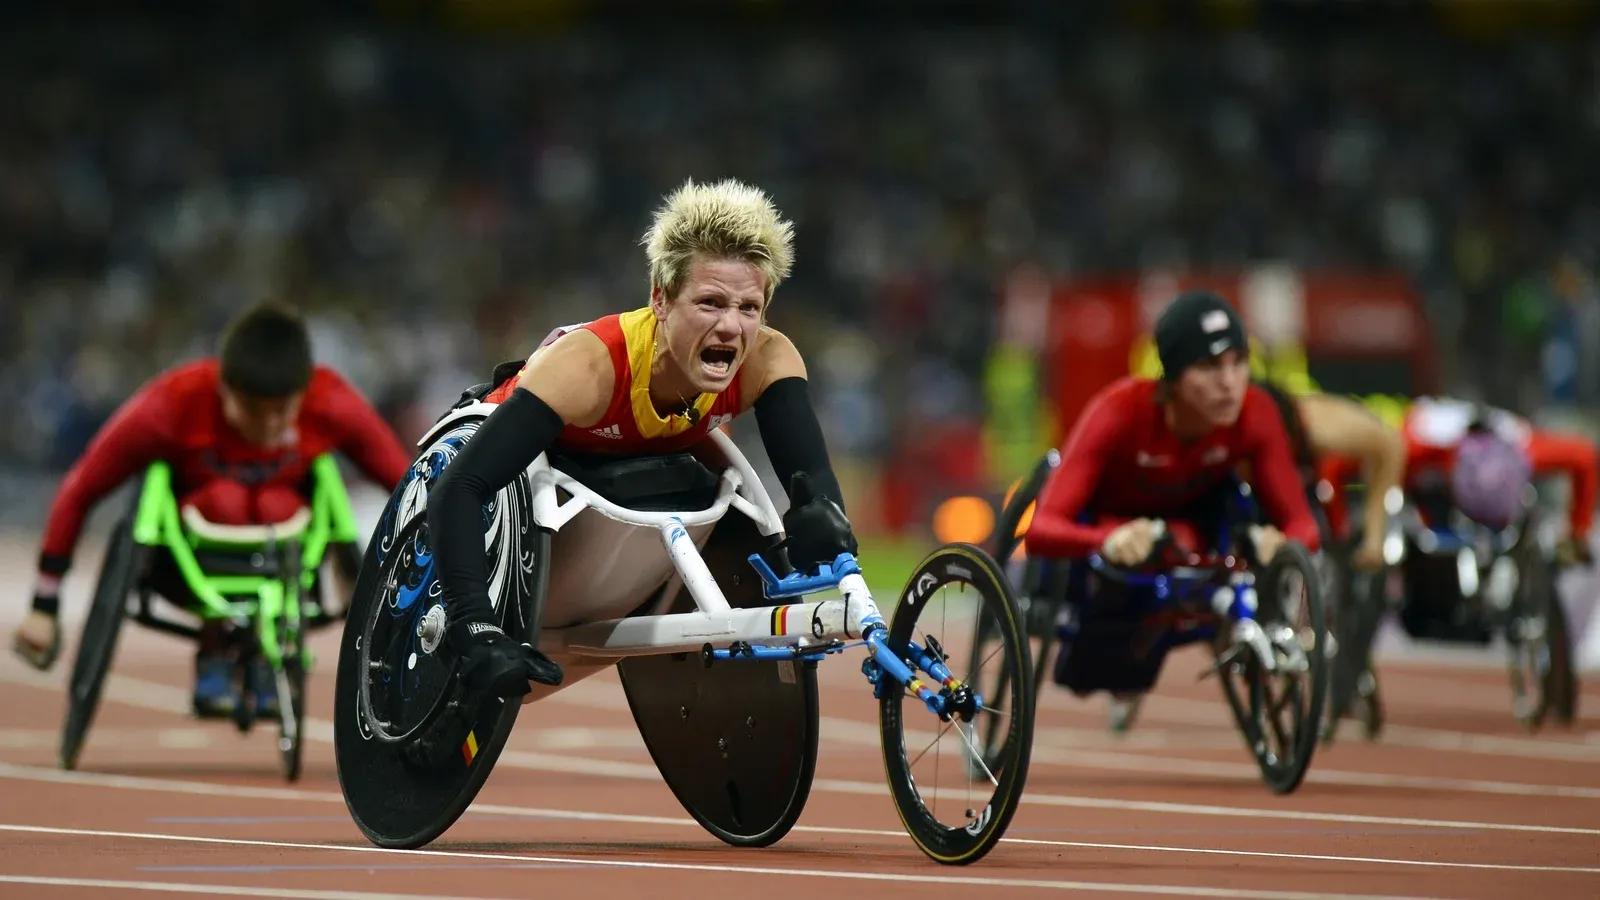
(439,202)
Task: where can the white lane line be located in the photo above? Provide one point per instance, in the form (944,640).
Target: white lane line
(163,697)
(152,695)
(866,734)
(1160,708)
(217,890)
(208,789)
(1213,718)
(604,863)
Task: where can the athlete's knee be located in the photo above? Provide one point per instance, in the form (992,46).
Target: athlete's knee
(277,503)
(223,501)
(228,502)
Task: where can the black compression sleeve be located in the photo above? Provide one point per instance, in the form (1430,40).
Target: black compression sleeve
(793,437)
(508,441)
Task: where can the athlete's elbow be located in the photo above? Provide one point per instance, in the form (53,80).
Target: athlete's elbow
(1049,540)
(1308,534)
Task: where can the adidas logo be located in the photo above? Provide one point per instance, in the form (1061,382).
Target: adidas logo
(613,432)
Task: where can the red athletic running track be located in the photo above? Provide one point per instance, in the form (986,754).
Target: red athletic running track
(1456,802)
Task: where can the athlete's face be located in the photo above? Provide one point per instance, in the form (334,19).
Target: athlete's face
(264,421)
(1214,388)
(707,330)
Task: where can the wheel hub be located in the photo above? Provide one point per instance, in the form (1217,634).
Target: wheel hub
(430,629)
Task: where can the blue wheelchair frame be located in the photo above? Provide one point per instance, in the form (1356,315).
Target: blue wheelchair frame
(1164,593)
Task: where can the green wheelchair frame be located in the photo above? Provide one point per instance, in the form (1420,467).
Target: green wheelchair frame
(256,577)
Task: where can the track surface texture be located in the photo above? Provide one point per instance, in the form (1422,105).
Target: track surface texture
(1455,801)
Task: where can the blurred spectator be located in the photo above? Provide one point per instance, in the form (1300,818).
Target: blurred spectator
(441,202)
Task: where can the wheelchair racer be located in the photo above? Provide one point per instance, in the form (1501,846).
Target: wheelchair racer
(651,380)
(1327,426)
(1147,449)
(1435,427)
(240,430)
(1480,461)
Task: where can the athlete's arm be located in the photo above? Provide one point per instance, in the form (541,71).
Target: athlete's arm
(140,432)
(364,436)
(1272,462)
(569,381)
(1344,428)
(774,383)
(1576,457)
(1093,440)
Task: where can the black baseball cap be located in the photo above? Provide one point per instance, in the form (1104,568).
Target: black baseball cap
(1196,325)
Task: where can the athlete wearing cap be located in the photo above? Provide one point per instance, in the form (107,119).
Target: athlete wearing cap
(1147,449)
(1165,449)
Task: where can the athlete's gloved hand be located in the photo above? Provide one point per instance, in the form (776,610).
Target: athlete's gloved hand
(37,641)
(1131,542)
(493,662)
(1266,540)
(815,527)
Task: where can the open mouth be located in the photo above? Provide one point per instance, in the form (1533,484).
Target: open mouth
(718,361)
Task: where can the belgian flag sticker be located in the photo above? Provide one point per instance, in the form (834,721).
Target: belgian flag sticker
(469,747)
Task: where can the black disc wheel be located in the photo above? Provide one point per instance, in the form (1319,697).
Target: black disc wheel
(412,749)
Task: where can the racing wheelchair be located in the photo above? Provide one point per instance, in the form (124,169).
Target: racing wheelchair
(1466,583)
(1272,658)
(1359,601)
(635,562)
(267,581)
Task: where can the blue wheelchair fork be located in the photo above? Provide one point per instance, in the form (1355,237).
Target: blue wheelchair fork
(874,634)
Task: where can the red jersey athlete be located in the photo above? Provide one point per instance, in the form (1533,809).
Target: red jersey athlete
(240,431)
(1148,449)
(648,381)
(1435,426)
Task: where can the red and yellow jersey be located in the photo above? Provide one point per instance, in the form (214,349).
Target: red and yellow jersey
(630,423)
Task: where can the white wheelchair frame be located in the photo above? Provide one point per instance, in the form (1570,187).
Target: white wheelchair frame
(793,631)
(806,627)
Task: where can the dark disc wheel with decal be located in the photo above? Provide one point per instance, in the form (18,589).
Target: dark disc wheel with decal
(955,594)
(411,749)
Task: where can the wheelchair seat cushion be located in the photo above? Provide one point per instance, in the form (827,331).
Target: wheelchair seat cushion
(245,535)
(672,482)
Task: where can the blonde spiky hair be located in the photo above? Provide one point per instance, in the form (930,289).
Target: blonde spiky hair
(726,220)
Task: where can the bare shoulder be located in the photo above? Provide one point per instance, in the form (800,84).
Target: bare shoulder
(773,359)
(574,375)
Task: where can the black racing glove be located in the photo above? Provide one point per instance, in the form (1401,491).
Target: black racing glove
(816,528)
